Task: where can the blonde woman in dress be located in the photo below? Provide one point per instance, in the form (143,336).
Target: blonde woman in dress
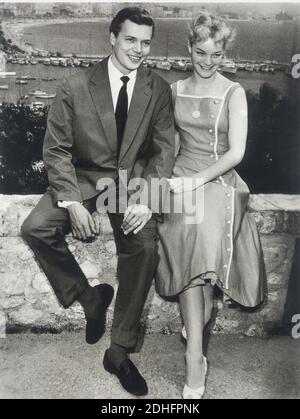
(224,248)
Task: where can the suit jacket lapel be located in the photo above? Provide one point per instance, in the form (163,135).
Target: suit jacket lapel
(139,102)
(101,95)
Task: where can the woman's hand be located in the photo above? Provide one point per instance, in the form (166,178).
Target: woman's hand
(135,218)
(184,184)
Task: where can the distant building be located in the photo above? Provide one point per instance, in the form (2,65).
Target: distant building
(182,13)
(82,9)
(283,15)
(42,9)
(232,15)
(56,10)
(151,8)
(24,9)
(197,9)
(158,11)
(168,13)
(8,9)
(2,61)
(185,13)
(103,9)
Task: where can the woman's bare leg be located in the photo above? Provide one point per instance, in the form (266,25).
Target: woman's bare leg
(192,306)
(208,292)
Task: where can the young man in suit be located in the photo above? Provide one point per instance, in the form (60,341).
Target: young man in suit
(116,116)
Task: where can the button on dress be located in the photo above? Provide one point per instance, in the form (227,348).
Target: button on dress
(221,243)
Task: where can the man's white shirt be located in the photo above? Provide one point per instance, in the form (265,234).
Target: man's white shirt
(116,83)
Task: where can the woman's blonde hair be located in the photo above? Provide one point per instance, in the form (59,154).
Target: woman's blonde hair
(207,25)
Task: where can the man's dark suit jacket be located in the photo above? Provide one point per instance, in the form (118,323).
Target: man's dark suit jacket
(80,145)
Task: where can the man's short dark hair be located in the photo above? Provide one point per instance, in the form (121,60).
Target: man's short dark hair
(135,15)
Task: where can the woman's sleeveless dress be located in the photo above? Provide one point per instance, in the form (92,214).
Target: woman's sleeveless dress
(225,247)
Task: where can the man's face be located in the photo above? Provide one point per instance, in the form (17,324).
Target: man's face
(131,46)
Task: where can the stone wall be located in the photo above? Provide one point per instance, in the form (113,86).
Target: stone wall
(28,302)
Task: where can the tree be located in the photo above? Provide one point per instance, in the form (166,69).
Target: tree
(271,162)
(21,137)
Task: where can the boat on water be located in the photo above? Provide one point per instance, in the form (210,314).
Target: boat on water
(266,68)
(48,79)
(228,66)
(76,62)
(85,63)
(150,63)
(63,62)
(249,67)
(25,77)
(36,105)
(189,66)
(180,65)
(45,96)
(3,86)
(21,81)
(241,66)
(55,62)
(163,65)
(37,92)
(4,74)
(22,61)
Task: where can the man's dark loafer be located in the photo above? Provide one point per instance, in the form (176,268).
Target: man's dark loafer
(128,375)
(95,327)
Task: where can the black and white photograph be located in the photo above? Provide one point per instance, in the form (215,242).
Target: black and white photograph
(150,202)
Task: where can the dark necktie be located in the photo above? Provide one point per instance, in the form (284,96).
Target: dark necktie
(121,111)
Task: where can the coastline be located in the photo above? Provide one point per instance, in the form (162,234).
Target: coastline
(14,30)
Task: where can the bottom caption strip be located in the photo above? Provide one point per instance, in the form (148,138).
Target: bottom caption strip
(148,408)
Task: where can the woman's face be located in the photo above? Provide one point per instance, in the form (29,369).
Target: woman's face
(206,57)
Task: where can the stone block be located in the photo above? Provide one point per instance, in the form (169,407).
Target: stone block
(8,218)
(32,295)
(275,213)
(278,254)
(110,247)
(274,296)
(89,269)
(11,284)
(105,225)
(26,315)
(11,302)
(41,284)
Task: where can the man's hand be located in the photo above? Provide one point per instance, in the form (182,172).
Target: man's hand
(135,218)
(184,184)
(82,223)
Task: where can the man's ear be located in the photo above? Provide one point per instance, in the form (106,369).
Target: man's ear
(112,39)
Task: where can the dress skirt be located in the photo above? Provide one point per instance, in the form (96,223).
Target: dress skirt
(220,245)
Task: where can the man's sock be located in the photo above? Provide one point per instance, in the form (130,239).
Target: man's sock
(117,354)
(90,301)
